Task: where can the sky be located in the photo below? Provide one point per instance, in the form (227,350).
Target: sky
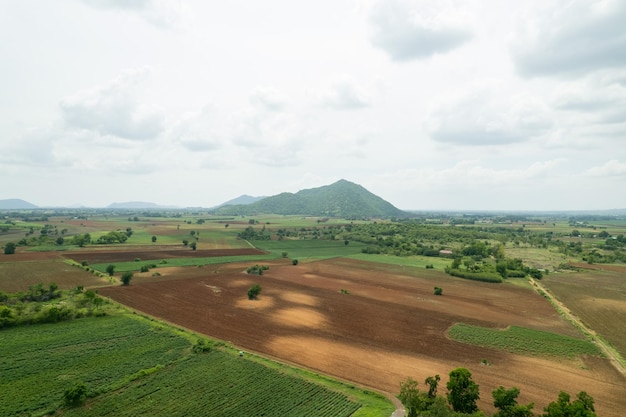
(431,105)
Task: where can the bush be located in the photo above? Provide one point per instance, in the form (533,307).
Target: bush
(126,277)
(476,276)
(254,291)
(144,268)
(294,262)
(75,396)
(438,291)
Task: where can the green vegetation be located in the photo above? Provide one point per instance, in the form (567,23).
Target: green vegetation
(462,394)
(254,291)
(522,340)
(257,269)
(125,365)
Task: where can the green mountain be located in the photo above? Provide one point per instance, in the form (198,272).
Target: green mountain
(343,199)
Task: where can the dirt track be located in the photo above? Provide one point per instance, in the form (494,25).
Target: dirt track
(388,327)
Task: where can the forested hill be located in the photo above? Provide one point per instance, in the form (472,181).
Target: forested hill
(342,199)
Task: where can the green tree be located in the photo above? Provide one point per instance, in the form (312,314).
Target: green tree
(193,245)
(562,407)
(438,291)
(462,391)
(60,240)
(505,400)
(9,248)
(254,291)
(126,277)
(432,382)
(110,269)
(154,239)
(411,397)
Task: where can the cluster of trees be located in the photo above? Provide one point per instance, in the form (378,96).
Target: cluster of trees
(257,269)
(463,393)
(34,306)
(250,234)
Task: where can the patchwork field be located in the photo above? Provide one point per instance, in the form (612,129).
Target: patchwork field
(597,296)
(375,325)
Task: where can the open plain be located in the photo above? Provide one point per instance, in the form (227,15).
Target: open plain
(374,325)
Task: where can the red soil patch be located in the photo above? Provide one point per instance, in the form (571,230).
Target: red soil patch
(152,253)
(390,325)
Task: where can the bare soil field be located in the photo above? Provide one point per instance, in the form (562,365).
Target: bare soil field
(596,296)
(388,325)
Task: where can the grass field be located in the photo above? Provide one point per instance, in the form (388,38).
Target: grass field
(416,261)
(18,276)
(132,366)
(524,341)
(305,249)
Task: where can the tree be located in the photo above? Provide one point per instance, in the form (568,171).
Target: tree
(110,269)
(192,245)
(9,248)
(294,262)
(154,239)
(438,291)
(60,240)
(462,391)
(505,400)
(410,397)
(432,382)
(254,291)
(126,277)
(562,407)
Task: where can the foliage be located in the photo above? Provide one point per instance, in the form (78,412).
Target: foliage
(505,400)
(475,276)
(522,340)
(463,392)
(438,291)
(9,248)
(75,396)
(110,269)
(294,262)
(257,269)
(126,277)
(254,291)
(562,407)
(112,237)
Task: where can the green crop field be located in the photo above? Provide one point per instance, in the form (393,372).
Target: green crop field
(524,341)
(309,248)
(132,366)
(416,260)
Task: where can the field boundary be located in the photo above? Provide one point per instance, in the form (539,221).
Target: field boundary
(613,355)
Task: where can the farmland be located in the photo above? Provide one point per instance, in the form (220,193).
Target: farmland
(132,366)
(359,305)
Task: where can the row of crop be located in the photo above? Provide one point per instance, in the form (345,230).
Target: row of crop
(219,384)
(97,351)
(522,340)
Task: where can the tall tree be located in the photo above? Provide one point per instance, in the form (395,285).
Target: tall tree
(410,396)
(505,400)
(462,391)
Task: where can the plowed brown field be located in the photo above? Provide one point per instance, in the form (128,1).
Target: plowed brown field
(390,325)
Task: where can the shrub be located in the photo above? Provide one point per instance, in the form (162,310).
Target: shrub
(126,277)
(254,291)
(438,291)
(294,262)
(144,268)
(75,396)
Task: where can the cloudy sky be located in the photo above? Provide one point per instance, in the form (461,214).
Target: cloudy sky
(485,104)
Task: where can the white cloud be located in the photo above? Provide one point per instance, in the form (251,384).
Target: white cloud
(345,94)
(417,30)
(165,14)
(268,99)
(612,168)
(199,131)
(488,113)
(573,38)
(113,109)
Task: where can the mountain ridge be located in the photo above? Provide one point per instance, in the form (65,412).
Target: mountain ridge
(341,199)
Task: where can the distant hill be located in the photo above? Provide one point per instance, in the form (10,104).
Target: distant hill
(242,200)
(16,204)
(136,205)
(343,199)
